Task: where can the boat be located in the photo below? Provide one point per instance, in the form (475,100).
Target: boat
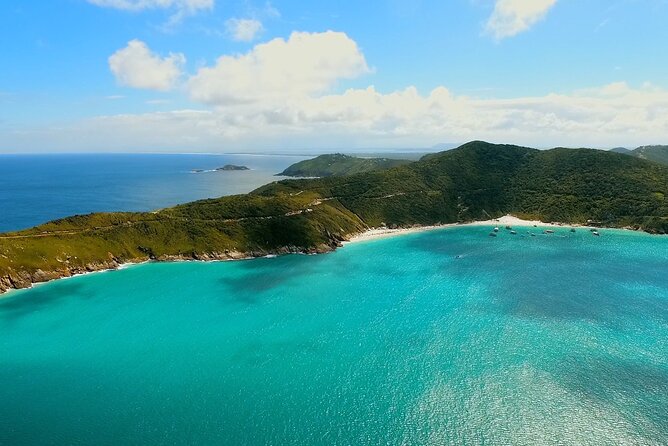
(496,229)
(533,235)
(513,232)
(548,231)
(595,233)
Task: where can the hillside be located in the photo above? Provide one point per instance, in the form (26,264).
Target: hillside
(658,154)
(339,165)
(313,215)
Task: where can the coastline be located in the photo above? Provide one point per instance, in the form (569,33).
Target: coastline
(27,281)
(506,220)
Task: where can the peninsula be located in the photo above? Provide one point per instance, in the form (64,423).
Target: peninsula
(476,181)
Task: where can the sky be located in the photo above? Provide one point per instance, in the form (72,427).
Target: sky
(286,75)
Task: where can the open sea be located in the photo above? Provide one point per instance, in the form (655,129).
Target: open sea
(447,337)
(37,188)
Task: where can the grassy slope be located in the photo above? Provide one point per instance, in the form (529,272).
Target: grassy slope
(339,165)
(472,182)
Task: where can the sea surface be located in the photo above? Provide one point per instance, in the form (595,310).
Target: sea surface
(37,188)
(447,337)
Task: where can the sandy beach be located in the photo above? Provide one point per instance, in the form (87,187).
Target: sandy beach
(506,220)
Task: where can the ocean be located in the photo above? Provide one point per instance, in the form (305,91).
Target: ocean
(446,337)
(37,188)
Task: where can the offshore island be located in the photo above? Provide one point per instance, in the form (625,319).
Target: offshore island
(478,181)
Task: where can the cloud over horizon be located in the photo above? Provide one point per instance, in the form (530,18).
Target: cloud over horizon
(611,115)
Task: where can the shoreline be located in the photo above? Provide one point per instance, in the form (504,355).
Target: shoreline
(368,235)
(501,222)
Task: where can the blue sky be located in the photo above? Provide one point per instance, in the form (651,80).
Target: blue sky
(145,75)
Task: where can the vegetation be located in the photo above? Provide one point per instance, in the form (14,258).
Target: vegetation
(658,154)
(339,165)
(473,182)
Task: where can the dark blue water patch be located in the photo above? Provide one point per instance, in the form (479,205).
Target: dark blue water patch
(41,298)
(252,279)
(642,388)
(38,188)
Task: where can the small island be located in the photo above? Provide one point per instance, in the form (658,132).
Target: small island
(225,168)
(231,167)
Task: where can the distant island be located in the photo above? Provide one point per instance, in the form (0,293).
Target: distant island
(476,181)
(339,164)
(232,167)
(226,167)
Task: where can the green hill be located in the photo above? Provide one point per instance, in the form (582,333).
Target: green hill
(339,165)
(657,154)
(313,215)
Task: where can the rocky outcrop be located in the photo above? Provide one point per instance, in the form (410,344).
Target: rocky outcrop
(24,279)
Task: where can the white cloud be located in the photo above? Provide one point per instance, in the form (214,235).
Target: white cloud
(511,17)
(181,8)
(243,30)
(610,115)
(191,6)
(136,66)
(305,64)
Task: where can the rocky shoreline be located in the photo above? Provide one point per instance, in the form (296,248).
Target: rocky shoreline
(16,280)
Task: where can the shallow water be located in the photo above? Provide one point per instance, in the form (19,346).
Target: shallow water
(521,340)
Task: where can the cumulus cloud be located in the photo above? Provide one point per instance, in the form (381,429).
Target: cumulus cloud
(610,115)
(305,64)
(138,67)
(243,30)
(511,17)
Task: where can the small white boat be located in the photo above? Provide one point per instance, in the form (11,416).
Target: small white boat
(513,232)
(496,229)
(548,231)
(595,233)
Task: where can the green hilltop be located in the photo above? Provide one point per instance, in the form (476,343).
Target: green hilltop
(472,182)
(339,165)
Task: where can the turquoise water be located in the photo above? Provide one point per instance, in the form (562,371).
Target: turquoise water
(521,340)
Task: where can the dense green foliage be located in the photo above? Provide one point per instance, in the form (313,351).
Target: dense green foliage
(476,181)
(339,165)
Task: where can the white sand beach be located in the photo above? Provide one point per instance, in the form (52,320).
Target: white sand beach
(506,220)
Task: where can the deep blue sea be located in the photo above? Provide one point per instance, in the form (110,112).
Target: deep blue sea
(38,188)
(447,337)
